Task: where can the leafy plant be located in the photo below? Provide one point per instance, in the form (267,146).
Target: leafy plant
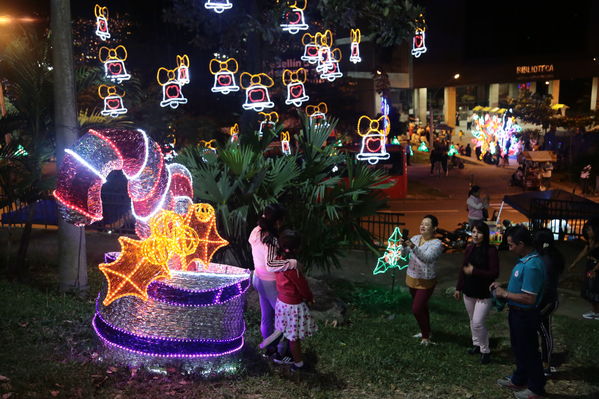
(324,190)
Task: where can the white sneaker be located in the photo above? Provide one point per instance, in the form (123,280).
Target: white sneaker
(419,335)
(590,315)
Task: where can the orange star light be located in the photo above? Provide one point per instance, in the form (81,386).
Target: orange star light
(202,218)
(131,272)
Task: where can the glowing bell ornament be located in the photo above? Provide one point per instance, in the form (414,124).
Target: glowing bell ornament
(356,37)
(294,17)
(256,91)
(224,75)
(418,41)
(310,48)
(296,92)
(330,65)
(172,94)
(285,148)
(114,63)
(234,133)
(101,22)
(317,113)
(218,6)
(269,121)
(113,101)
(183,69)
(374,138)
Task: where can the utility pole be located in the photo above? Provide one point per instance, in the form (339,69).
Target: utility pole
(72,244)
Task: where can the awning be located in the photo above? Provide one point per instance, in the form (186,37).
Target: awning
(552,204)
(540,156)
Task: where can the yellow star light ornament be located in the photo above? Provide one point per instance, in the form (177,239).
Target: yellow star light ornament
(202,219)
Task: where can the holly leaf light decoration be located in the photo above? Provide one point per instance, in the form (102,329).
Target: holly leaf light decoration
(393,257)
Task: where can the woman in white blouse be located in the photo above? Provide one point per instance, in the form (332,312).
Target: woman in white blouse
(421,275)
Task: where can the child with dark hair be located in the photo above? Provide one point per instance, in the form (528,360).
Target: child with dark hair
(292,315)
(554,266)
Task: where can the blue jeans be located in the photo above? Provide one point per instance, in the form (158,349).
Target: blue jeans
(267,291)
(525,345)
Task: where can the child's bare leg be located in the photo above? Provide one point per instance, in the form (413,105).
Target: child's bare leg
(296,350)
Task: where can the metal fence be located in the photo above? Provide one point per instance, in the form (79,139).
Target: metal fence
(564,218)
(380,225)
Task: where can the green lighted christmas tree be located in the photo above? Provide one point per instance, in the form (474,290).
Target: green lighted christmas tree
(394,256)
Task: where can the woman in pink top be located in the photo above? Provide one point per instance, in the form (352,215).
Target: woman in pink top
(263,237)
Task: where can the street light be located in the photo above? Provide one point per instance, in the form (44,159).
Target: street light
(430,110)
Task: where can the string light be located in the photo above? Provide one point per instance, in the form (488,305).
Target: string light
(285,148)
(294,17)
(317,113)
(114,63)
(356,37)
(202,218)
(374,139)
(331,59)
(394,257)
(183,69)
(256,91)
(172,95)
(418,42)
(296,92)
(311,47)
(101,22)
(224,75)
(218,6)
(113,102)
(269,120)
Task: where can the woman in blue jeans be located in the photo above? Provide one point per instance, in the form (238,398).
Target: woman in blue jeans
(262,238)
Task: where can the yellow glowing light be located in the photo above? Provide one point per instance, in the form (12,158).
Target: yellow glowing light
(106,91)
(119,53)
(208,144)
(202,219)
(285,136)
(258,79)
(272,117)
(229,65)
(381,125)
(356,35)
(298,76)
(234,130)
(321,108)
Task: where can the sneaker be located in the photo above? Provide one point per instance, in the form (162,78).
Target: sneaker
(419,335)
(474,350)
(295,368)
(590,315)
(427,342)
(280,359)
(506,382)
(527,394)
(549,371)
(485,358)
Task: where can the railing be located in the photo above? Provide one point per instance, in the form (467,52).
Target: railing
(380,225)
(564,218)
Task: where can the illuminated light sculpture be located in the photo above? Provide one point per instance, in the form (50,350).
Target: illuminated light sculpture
(218,6)
(270,120)
(317,113)
(168,147)
(311,47)
(356,37)
(394,257)
(374,138)
(209,145)
(294,17)
(422,147)
(152,184)
(418,41)
(114,63)
(494,129)
(234,133)
(172,95)
(202,218)
(285,148)
(296,92)
(256,91)
(224,75)
(324,41)
(330,64)
(113,101)
(183,69)
(101,22)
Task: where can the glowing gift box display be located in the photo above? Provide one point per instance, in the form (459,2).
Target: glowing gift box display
(269,120)
(418,41)
(294,17)
(296,92)
(256,91)
(172,94)
(218,6)
(224,75)
(164,299)
(114,63)
(101,22)
(374,138)
(356,37)
(113,101)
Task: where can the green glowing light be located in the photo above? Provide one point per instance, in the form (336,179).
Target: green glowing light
(393,258)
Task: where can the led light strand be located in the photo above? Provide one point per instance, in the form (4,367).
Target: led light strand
(318,113)
(373,141)
(183,69)
(172,94)
(86,164)
(256,91)
(356,37)
(418,42)
(270,120)
(218,6)
(394,257)
(285,148)
(224,75)
(311,48)
(113,102)
(296,92)
(174,296)
(294,17)
(114,63)
(102,22)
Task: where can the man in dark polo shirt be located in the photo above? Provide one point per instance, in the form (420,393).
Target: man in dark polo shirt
(523,295)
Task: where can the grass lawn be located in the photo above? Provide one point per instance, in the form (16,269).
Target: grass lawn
(48,349)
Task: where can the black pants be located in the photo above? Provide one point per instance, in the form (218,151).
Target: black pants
(525,346)
(545,332)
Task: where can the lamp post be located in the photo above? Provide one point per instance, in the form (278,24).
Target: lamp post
(430,110)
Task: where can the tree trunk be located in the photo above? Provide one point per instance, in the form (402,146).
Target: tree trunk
(72,245)
(20,263)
